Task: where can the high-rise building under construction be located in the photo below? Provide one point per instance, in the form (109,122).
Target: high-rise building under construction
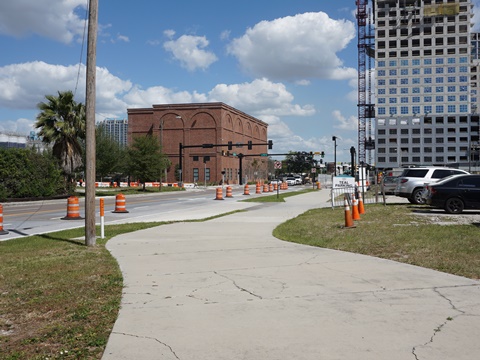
(426,83)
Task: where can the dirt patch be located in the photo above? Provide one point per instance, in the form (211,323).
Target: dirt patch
(440,217)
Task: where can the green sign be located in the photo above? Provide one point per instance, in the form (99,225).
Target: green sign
(263,154)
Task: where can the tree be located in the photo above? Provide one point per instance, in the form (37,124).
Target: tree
(110,156)
(62,124)
(145,159)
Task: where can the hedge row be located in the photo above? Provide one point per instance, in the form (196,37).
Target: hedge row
(25,173)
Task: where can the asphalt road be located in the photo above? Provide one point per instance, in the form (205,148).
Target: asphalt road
(22,219)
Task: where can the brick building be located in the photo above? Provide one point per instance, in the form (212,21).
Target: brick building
(193,125)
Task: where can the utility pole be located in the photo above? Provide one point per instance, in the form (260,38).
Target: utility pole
(90,233)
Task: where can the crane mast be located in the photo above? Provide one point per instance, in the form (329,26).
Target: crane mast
(366,110)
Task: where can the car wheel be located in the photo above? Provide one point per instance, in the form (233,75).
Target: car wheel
(454,206)
(417,197)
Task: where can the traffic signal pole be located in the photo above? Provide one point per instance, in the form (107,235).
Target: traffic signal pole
(229,145)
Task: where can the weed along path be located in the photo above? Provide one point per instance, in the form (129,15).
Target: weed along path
(227,289)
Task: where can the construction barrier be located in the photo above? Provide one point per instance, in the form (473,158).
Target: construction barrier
(120,204)
(73,209)
(219,194)
(348,215)
(355,214)
(361,208)
(319,186)
(265,188)
(246,190)
(258,189)
(275,187)
(229,192)
(2,232)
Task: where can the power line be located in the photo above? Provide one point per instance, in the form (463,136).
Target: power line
(81,50)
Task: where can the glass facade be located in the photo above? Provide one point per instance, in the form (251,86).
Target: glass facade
(424,66)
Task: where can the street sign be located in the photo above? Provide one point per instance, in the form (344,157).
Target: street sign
(263,154)
(277,165)
(314,170)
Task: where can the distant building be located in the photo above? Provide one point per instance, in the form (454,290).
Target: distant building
(427,77)
(12,140)
(15,140)
(192,125)
(117,129)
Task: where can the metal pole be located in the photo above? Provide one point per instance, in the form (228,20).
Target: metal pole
(334,138)
(470,143)
(90,125)
(180,147)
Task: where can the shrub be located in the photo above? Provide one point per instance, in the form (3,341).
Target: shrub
(24,173)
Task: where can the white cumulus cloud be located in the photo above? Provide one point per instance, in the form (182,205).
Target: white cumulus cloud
(61,20)
(295,48)
(190,51)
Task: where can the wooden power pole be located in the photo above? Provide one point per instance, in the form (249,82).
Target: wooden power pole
(90,233)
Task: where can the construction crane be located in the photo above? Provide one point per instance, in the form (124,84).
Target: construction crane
(366,110)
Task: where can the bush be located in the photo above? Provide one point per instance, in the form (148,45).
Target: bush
(24,173)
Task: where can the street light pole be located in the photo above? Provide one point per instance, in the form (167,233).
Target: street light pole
(334,139)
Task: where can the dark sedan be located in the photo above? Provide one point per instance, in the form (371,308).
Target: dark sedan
(455,193)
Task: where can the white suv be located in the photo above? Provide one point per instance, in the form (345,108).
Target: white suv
(411,182)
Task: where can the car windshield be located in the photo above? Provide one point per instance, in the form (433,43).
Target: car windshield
(447,179)
(390,179)
(420,173)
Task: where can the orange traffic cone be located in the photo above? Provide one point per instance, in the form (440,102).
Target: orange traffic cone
(2,232)
(219,194)
(355,214)
(361,208)
(258,188)
(73,209)
(348,216)
(120,204)
(246,190)
(229,192)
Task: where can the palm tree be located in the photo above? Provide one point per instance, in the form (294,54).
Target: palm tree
(62,123)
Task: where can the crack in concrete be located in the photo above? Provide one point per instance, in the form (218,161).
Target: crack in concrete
(441,326)
(149,338)
(237,286)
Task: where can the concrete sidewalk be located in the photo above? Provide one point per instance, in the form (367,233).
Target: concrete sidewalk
(227,289)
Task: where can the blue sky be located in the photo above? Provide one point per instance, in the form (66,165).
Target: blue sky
(290,63)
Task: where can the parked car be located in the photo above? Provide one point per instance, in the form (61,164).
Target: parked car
(411,182)
(298,180)
(455,193)
(389,184)
(291,181)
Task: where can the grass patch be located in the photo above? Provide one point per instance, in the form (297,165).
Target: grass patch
(58,297)
(277,198)
(391,232)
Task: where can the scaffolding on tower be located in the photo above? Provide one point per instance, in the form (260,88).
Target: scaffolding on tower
(366,110)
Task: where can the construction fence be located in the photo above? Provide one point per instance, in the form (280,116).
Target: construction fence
(370,195)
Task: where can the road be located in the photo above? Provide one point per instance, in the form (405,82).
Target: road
(22,219)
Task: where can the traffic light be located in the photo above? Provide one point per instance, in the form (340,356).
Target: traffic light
(230,145)
(270,144)
(323,154)
(250,145)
